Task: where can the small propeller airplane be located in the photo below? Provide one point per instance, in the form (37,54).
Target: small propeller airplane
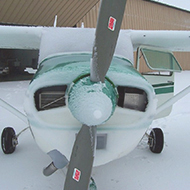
(87,94)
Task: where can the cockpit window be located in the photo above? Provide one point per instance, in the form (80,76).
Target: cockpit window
(50,97)
(132,98)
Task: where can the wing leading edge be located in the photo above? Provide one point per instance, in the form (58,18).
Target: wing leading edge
(23,37)
(20,37)
(172,40)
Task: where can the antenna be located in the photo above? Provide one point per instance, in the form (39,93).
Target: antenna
(55,21)
(82,25)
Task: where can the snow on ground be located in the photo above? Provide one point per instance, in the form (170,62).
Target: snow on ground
(139,170)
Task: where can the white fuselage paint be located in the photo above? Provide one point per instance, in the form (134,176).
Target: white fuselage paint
(57,128)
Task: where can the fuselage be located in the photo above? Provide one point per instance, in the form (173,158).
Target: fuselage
(53,124)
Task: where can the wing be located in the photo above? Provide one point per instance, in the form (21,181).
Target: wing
(170,40)
(23,37)
(20,37)
(17,37)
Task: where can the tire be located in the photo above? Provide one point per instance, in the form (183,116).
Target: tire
(8,140)
(156,140)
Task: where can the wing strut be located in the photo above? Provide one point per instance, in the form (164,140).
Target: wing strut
(14,111)
(173,100)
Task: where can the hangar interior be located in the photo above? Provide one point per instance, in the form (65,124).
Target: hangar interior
(139,14)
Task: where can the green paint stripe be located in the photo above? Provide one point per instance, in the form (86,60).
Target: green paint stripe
(164,90)
(163,84)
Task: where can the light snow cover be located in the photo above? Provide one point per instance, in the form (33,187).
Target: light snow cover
(15,37)
(183,4)
(68,40)
(82,106)
(139,170)
(57,127)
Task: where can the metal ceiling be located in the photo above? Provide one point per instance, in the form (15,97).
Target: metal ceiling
(42,12)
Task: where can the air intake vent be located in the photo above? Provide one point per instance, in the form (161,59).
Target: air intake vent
(101,141)
(132,98)
(51,100)
(50,97)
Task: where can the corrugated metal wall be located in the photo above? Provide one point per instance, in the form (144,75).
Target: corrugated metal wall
(147,15)
(42,12)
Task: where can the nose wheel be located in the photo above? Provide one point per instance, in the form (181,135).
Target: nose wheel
(9,140)
(156,140)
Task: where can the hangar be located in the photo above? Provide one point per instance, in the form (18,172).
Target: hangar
(139,14)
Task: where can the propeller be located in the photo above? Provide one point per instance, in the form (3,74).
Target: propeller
(80,166)
(82,157)
(107,31)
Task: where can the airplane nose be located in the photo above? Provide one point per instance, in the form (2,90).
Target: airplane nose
(92,103)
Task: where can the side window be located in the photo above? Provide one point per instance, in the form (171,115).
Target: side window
(50,97)
(156,61)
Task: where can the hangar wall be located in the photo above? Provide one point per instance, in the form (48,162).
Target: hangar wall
(149,15)
(42,12)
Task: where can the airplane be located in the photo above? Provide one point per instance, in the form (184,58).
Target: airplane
(88,94)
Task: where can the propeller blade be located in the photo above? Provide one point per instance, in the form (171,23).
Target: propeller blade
(82,157)
(108,27)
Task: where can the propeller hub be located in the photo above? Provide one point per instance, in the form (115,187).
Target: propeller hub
(92,103)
